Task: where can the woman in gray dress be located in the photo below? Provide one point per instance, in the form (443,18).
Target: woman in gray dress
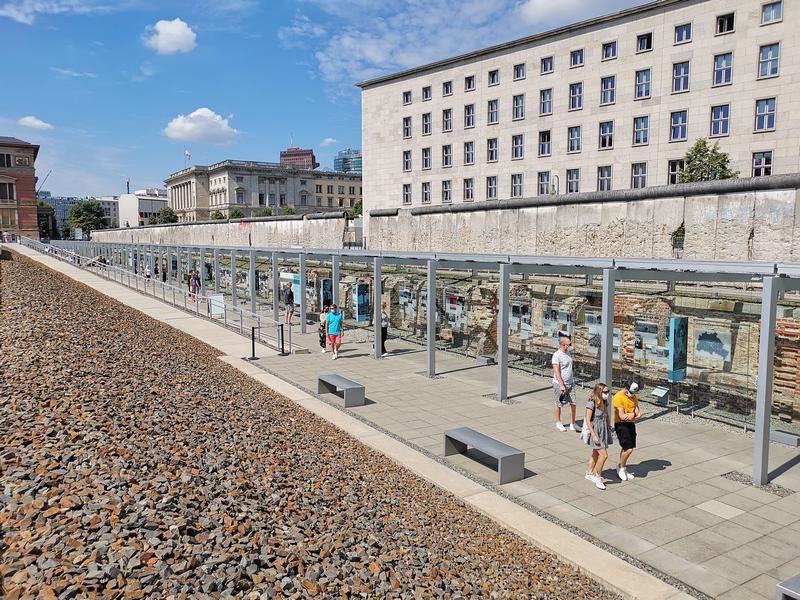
(599,433)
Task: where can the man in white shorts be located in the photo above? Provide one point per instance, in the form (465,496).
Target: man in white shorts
(564,383)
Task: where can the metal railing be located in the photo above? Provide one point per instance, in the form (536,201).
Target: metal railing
(269,332)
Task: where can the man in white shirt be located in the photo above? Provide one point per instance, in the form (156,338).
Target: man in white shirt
(564,383)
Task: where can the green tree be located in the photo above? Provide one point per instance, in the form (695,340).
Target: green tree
(167,215)
(264,212)
(86,214)
(66,231)
(357,209)
(236,213)
(216,216)
(703,163)
(289,210)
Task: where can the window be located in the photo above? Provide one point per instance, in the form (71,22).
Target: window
(609,51)
(765,114)
(725,24)
(723,68)
(762,164)
(407,97)
(406,163)
(426,124)
(426,93)
(447,88)
(491,187)
(543,183)
(638,175)
(7,189)
(491,150)
(574,139)
(352,190)
(604,179)
(768,59)
(678,121)
(426,192)
(644,42)
(447,155)
(608,94)
(516,185)
(575,96)
(340,189)
(544,143)
(674,168)
(469,153)
(642,89)
(606,135)
(239,197)
(240,180)
(546,65)
(683,33)
(546,102)
(426,158)
(519,107)
(519,71)
(772,13)
(469,83)
(329,190)
(720,118)
(319,200)
(517,146)
(492,113)
(576,58)
(680,77)
(469,115)
(446,190)
(469,190)
(319,186)
(641,131)
(494,77)
(447,119)
(406,193)
(406,127)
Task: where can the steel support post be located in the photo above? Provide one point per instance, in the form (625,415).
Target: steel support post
(152,262)
(170,274)
(377,292)
(251,276)
(502,332)
(233,278)
(430,310)
(766,368)
(216,270)
(276,287)
(303,302)
(335,277)
(607,328)
(178,269)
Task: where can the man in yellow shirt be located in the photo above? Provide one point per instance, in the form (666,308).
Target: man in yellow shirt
(626,413)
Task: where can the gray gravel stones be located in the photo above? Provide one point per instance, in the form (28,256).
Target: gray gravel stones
(134,464)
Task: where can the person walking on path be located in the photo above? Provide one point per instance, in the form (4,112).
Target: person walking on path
(626,413)
(335,327)
(564,383)
(323,334)
(597,433)
(384,329)
(288,303)
(198,284)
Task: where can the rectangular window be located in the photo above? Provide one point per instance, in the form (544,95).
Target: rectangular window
(329,190)
(406,127)
(319,186)
(575,96)
(5,160)
(519,107)
(678,122)
(447,155)
(546,65)
(772,13)
(546,102)
(446,190)
(762,164)
(469,115)
(341,189)
(574,139)
(576,58)
(517,146)
(723,68)
(680,77)
(406,162)
(683,33)
(426,192)
(494,77)
(469,83)
(543,183)
(406,193)
(720,120)
(426,158)
(765,114)
(604,179)
(519,71)
(725,24)
(573,181)
(469,191)
(609,51)
(427,94)
(641,131)
(407,97)
(491,150)
(544,143)
(426,124)
(608,87)
(447,88)
(644,42)
(606,135)
(492,112)
(674,168)
(447,119)
(7,190)
(469,153)
(516,185)
(642,89)
(638,175)
(491,187)
(768,60)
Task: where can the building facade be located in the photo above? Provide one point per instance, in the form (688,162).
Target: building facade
(348,161)
(62,205)
(110,205)
(299,158)
(18,214)
(140,207)
(607,104)
(199,191)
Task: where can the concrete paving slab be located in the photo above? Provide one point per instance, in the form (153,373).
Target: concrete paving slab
(720,509)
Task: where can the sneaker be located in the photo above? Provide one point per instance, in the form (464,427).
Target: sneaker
(572,427)
(622,474)
(598,483)
(385,354)
(629,475)
(334,356)
(560,426)
(324,350)
(589,476)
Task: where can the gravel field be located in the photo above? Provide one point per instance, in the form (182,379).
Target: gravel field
(134,464)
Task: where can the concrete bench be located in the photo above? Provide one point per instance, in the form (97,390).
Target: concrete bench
(510,460)
(353,391)
(789,589)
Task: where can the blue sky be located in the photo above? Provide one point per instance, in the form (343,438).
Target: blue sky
(116,88)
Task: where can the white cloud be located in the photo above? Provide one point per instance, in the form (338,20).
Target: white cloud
(64,73)
(26,11)
(328,141)
(170,37)
(301,30)
(34,123)
(203,125)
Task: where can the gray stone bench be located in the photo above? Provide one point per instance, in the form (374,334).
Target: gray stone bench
(789,589)
(510,460)
(353,391)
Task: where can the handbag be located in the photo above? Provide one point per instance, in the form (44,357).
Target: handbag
(585,433)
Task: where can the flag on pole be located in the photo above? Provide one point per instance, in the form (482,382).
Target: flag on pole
(186,154)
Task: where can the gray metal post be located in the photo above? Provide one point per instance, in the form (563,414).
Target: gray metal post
(502,332)
(276,287)
(377,292)
(152,261)
(607,328)
(178,269)
(233,278)
(251,275)
(303,285)
(335,277)
(766,368)
(216,270)
(170,274)
(430,310)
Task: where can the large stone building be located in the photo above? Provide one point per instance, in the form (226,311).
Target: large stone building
(18,213)
(299,158)
(607,104)
(197,192)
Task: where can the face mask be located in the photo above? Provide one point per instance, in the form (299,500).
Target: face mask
(569,350)
(605,396)
(634,388)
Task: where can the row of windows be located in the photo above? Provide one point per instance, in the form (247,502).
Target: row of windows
(771,12)
(341,189)
(761,166)
(7,161)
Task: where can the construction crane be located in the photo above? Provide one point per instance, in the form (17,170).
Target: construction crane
(39,189)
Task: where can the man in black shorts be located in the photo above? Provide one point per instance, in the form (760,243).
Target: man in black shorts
(626,413)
